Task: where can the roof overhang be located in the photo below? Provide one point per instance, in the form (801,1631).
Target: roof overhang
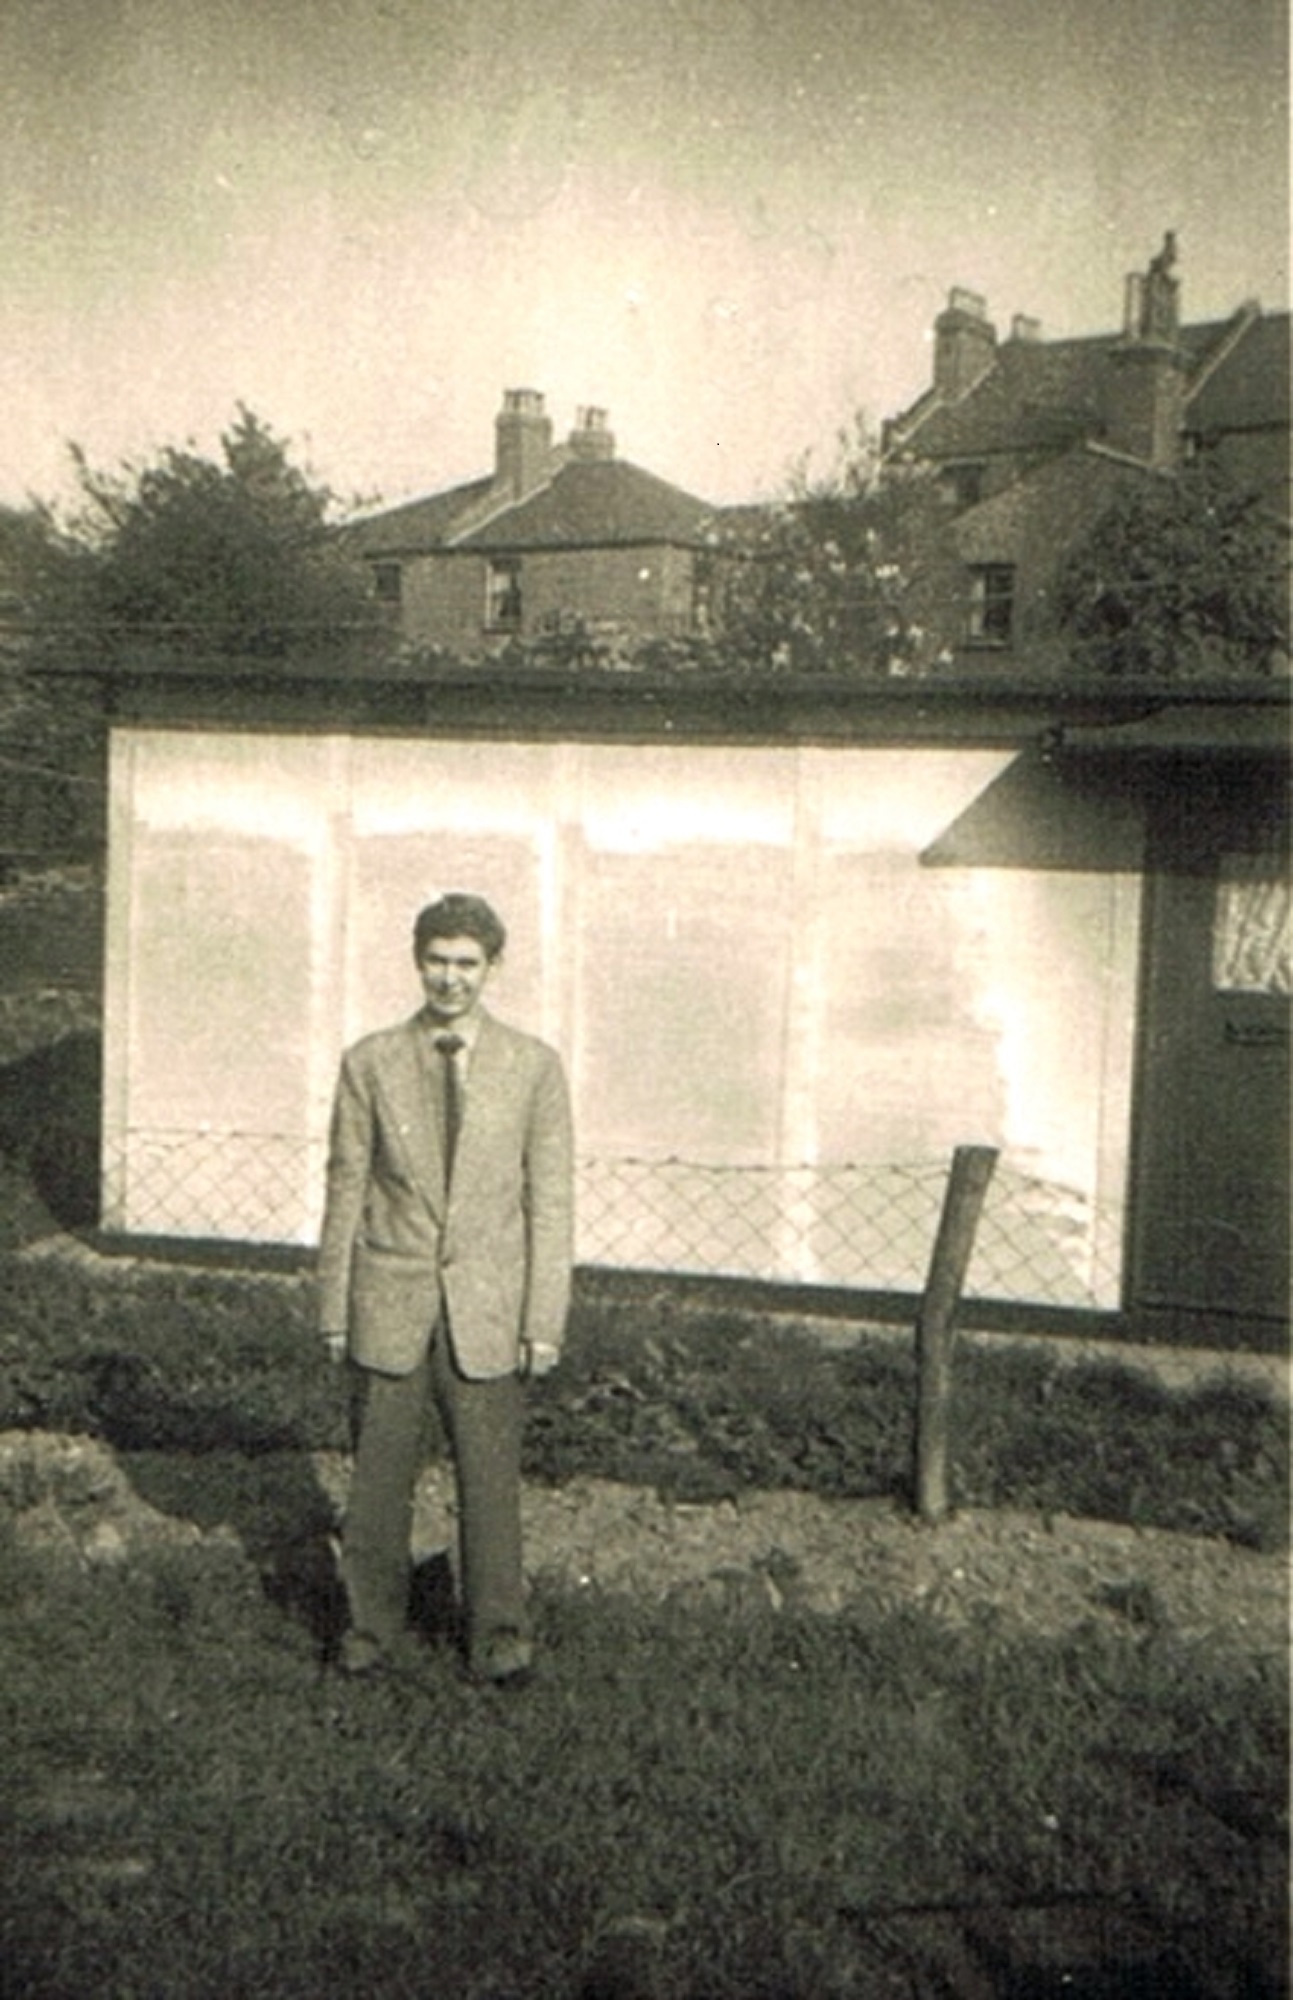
(1184,730)
(1083,795)
(510,692)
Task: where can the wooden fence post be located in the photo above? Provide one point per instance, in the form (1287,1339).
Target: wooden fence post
(972,1169)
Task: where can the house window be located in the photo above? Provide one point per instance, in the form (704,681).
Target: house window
(962,485)
(992,604)
(388,582)
(704,593)
(503,594)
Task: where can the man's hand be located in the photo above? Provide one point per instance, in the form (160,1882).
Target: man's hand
(336,1345)
(537,1358)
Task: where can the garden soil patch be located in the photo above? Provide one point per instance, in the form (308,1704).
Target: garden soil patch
(73,1499)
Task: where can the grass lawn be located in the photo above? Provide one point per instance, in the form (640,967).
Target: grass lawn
(771,1805)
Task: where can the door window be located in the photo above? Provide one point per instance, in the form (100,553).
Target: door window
(1252,936)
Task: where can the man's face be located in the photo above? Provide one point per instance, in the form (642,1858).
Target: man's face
(454,971)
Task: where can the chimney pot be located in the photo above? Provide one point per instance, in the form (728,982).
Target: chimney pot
(1023,327)
(592,437)
(1133,311)
(1153,299)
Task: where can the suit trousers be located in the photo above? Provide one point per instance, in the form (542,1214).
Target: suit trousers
(483,1422)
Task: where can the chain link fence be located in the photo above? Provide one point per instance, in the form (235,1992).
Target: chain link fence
(864,1228)
(869,1228)
(239,1187)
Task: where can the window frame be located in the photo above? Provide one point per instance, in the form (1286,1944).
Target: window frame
(388,582)
(964,482)
(504,594)
(990,621)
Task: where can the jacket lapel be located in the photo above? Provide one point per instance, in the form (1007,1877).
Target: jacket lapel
(407,1088)
(489,1084)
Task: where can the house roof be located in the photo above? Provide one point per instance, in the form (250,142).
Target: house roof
(417,525)
(1066,490)
(583,504)
(1034,396)
(1045,395)
(1248,388)
(591,503)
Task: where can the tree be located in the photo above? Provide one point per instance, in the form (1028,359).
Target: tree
(234,558)
(855,571)
(23,537)
(1187,577)
(51,734)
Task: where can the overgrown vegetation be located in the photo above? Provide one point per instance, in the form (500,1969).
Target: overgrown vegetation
(854,571)
(1185,577)
(698,1405)
(232,557)
(51,960)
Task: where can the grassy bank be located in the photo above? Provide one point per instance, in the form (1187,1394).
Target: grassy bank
(699,1405)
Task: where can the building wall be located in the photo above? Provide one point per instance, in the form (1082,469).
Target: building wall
(778,1023)
(643,590)
(443,602)
(1034,525)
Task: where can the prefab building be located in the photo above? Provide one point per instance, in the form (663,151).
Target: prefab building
(796,941)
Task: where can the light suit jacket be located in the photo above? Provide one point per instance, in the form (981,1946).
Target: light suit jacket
(497,1249)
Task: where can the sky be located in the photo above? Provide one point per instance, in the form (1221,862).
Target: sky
(730,223)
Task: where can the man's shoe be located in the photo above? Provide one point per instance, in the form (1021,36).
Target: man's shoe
(504,1659)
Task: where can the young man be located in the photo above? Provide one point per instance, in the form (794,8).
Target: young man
(444,1274)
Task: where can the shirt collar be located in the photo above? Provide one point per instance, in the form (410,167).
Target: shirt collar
(468,1030)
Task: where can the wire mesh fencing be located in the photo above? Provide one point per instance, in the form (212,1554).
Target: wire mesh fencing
(239,1187)
(863,1227)
(855,1227)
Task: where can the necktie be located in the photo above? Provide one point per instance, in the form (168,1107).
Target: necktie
(448,1047)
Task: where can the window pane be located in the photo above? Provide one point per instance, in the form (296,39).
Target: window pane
(503,593)
(1252,940)
(992,597)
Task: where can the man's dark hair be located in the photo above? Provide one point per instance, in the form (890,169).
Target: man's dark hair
(459,915)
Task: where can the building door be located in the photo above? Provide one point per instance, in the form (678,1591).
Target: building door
(1208,1260)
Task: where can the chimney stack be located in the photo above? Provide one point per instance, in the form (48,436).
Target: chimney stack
(965,343)
(1133,305)
(591,438)
(1145,388)
(1025,329)
(522,442)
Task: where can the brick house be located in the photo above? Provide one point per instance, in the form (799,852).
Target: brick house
(557,532)
(1033,438)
